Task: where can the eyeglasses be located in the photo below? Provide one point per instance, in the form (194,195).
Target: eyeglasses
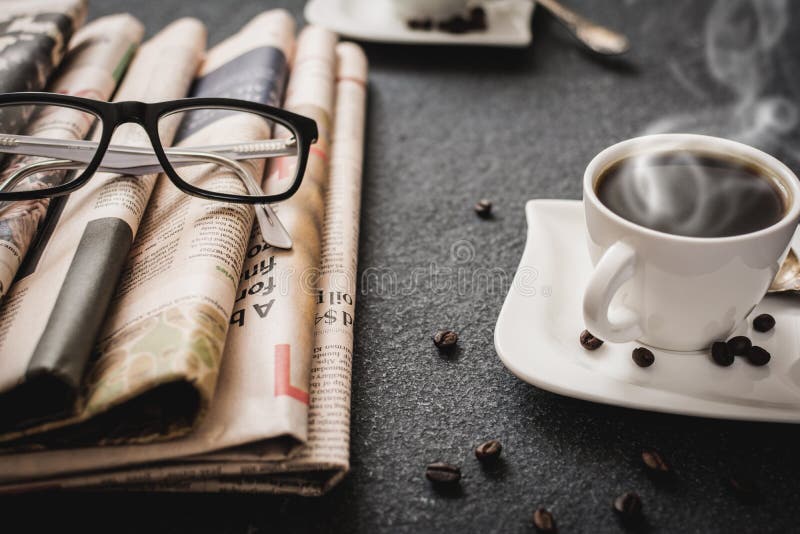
(258,140)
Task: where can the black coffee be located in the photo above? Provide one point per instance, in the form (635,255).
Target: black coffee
(691,194)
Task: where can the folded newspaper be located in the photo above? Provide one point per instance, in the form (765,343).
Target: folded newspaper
(262,371)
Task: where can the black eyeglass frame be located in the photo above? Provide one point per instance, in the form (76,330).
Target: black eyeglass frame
(114,114)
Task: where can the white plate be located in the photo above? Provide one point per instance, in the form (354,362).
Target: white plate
(508,21)
(537,333)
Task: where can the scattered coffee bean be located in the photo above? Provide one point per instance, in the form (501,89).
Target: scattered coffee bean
(457,24)
(744,488)
(758,356)
(764,322)
(543,521)
(483,208)
(445,339)
(488,451)
(654,461)
(643,357)
(420,24)
(475,21)
(477,18)
(721,353)
(739,345)
(628,506)
(443,473)
(590,342)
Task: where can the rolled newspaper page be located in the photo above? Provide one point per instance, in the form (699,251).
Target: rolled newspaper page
(98,57)
(328,446)
(34,36)
(324,460)
(175,297)
(264,385)
(55,309)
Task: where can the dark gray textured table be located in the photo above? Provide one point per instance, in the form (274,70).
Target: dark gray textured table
(447,126)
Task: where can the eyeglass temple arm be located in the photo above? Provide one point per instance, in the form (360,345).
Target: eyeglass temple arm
(141,160)
(272,230)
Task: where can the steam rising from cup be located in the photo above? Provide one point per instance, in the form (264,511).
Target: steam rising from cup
(688,197)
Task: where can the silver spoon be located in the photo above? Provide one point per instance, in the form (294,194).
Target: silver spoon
(597,38)
(788,277)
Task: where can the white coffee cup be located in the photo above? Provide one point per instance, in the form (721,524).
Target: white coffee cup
(675,292)
(432,9)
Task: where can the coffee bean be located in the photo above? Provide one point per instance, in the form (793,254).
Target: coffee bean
(420,24)
(643,357)
(488,451)
(477,18)
(758,356)
(456,24)
(543,521)
(590,342)
(764,322)
(744,488)
(445,339)
(443,473)
(628,506)
(721,353)
(654,461)
(483,208)
(739,345)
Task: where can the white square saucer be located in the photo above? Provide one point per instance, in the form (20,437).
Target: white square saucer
(537,333)
(508,23)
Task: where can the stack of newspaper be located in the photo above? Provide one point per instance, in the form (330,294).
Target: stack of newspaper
(128,359)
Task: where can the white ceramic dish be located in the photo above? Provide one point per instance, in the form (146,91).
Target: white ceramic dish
(537,333)
(508,21)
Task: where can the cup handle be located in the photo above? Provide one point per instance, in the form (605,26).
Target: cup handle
(616,267)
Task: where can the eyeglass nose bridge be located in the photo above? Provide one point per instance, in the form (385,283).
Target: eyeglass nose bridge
(130,111)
